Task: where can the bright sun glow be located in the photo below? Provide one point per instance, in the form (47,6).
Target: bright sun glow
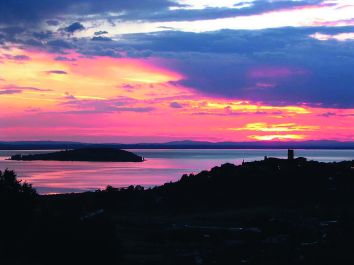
(277,137)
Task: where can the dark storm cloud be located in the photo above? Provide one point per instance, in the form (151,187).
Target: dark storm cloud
(11,33)
(33,11)
(18,12)
(43,35)
(16,15)
(101,32)
(57,45)
(232,41)
(256,7)
(277,66)
(76,26)
(101,38)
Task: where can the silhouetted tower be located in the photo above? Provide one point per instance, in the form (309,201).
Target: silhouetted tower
(290,154)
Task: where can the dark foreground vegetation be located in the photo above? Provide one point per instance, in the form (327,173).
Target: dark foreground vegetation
(94,154)
(267,212)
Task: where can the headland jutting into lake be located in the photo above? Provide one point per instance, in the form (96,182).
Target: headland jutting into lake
(274,211)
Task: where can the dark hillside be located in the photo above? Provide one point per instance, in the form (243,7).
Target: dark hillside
(274,212)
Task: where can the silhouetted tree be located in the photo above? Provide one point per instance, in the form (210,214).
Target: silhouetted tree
(16,208)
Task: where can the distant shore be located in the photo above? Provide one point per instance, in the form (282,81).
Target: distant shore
(55,145)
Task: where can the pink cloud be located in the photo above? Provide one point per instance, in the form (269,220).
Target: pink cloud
(129,100)
(337,23)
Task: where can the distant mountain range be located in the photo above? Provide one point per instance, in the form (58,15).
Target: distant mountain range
(187,144)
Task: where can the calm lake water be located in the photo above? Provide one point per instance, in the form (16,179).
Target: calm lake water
(161,166)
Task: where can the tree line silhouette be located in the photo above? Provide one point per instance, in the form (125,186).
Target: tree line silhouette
(273,211)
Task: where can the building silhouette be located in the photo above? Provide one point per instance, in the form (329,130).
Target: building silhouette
(291,154)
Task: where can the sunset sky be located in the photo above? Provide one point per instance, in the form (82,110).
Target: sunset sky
(167,70)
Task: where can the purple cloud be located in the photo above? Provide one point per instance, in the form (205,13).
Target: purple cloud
(57,72)
(13,89)
(64,59)
(16,57)
(89,106)
(10,91)
(176,105)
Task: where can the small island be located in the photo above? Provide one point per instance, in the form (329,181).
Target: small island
(84,154)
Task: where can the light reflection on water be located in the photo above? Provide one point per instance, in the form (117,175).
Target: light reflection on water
(161,166)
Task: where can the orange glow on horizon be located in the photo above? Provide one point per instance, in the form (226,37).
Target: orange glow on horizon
(105,99)
(284,127)
(277,137)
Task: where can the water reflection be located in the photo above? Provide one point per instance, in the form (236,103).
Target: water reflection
(161,166)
